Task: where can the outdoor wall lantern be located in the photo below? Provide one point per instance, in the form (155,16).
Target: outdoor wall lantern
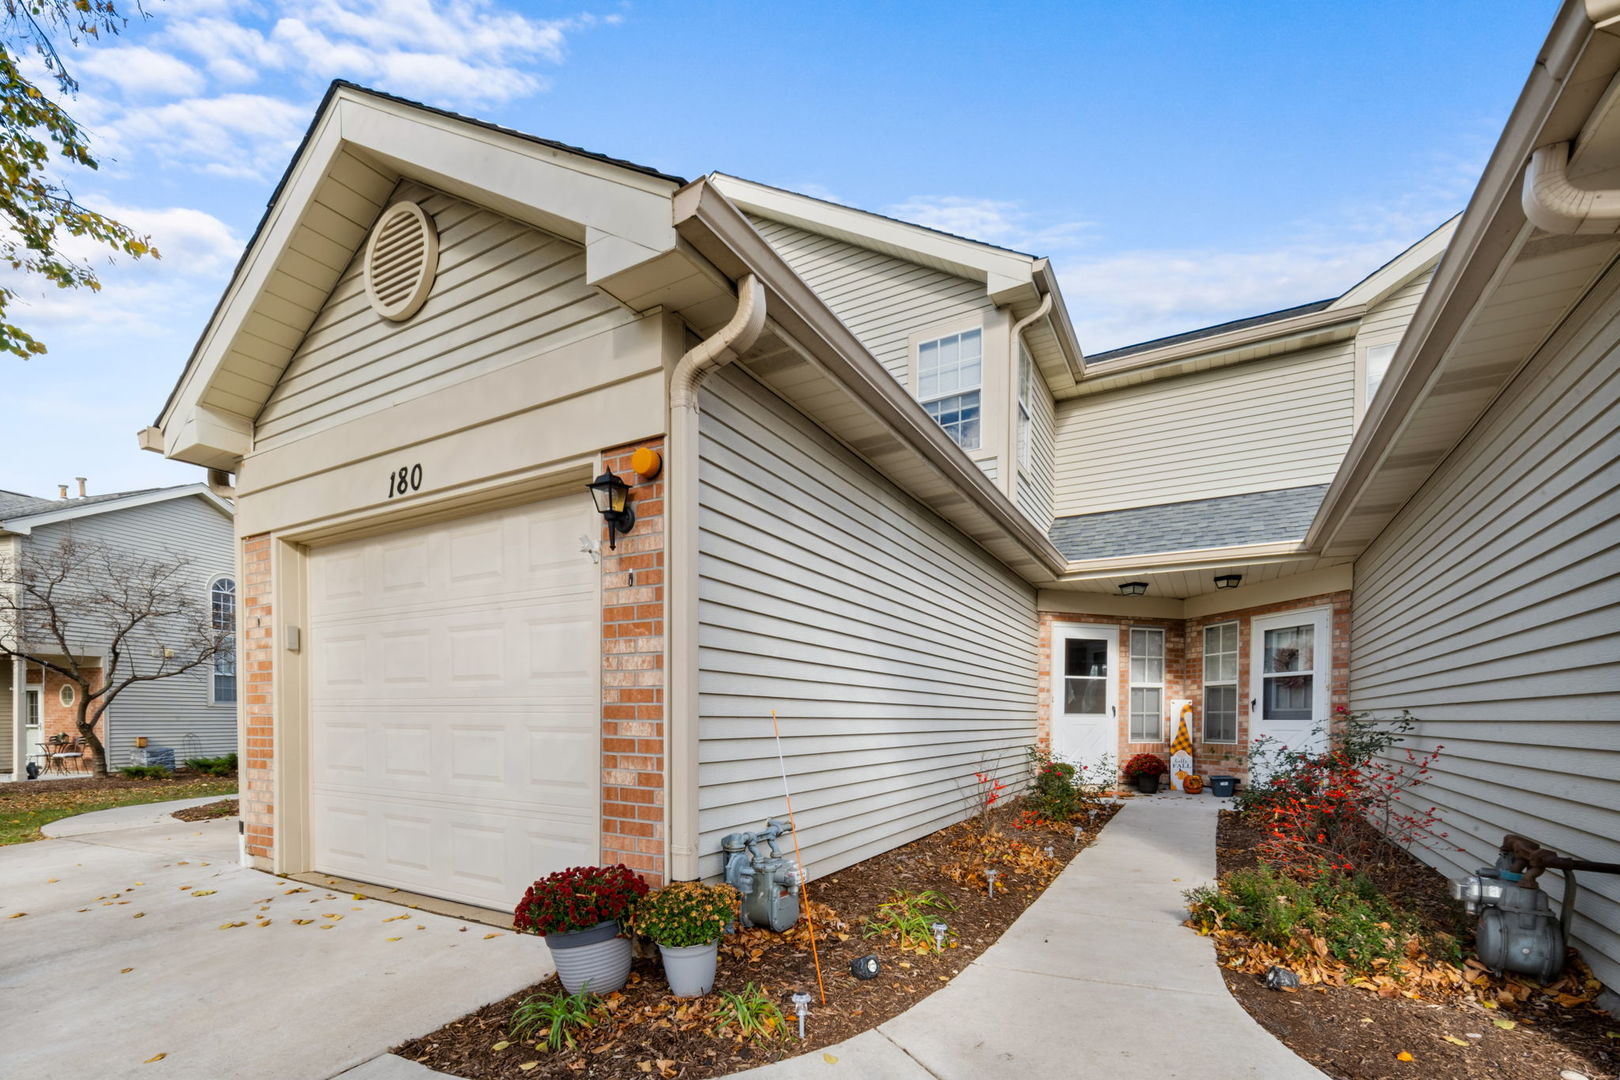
(1228,581)
(1133,588)
(612,497)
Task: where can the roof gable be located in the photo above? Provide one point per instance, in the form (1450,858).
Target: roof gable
(359,147)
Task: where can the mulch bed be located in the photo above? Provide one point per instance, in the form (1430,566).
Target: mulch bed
(208,811)
(645,1031)
(1355,1034)
(23,792)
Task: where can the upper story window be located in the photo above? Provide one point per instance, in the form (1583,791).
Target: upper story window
(222,614)
(1026,373)
(1378,358)
(1147,685)
(949,378)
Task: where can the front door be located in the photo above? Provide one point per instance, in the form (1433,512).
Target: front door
(1085,676)
(1291,666)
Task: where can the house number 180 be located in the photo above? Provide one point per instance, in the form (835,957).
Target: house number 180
(405,481)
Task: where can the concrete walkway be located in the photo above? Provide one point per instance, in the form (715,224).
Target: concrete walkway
(1098,979)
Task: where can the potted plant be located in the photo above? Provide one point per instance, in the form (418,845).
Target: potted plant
(581,912)
(686,920)
(1144,771)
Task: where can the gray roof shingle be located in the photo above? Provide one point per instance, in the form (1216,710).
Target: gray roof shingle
(14,504)
(1257,517)
(1209,331)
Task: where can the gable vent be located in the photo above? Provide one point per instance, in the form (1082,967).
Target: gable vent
(402,257)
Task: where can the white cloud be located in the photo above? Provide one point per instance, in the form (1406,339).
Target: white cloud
(992,221)
(141,72)
(246,135)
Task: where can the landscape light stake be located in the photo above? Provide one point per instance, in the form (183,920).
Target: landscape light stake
(801,1005)
(1050,854)
(1078,832)
(990,876)
(939,929)
(804,884)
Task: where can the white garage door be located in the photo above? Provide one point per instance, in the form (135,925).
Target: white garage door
(454,703)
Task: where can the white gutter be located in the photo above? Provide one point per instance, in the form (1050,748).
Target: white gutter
(219,482)
(1555,205)
(681,557)
(1046,306)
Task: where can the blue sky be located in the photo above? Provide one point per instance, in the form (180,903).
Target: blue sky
(1181,163)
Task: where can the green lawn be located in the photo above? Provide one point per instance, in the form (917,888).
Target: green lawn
(28,804)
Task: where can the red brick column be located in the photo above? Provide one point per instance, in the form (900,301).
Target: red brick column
(633,681)
(255,666)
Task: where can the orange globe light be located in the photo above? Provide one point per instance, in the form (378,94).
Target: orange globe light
(647,462)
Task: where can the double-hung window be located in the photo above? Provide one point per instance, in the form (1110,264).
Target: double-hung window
(222,614)
(1147,685)
(949,378)
(1220,683)
(1026,372)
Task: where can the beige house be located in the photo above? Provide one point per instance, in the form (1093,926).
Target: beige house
(880,492)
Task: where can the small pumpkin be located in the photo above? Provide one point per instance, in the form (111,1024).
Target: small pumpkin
(1192,785)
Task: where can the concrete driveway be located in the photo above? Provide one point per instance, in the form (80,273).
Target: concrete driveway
(121,956)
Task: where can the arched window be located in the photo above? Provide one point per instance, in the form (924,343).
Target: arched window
(222,613)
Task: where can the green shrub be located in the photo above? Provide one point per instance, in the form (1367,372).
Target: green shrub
(1059,791)
(213,766)
(146,772)
(1358,924)
(556,1016)
(910,917)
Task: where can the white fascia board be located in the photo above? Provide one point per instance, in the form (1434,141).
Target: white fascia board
(1191,559)
(1058,317)
(622,216)
(23,526)
(1004,272)
(1399,270)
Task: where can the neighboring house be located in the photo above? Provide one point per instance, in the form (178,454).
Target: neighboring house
(896,506)
(193,714)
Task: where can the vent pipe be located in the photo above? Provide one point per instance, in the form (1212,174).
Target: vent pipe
(1555,205)
(81,481)
(61,491)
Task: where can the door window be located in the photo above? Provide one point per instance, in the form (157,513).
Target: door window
(1085,675)
(1288,685)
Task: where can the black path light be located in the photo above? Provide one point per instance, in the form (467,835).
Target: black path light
(1133,588)
(612,497)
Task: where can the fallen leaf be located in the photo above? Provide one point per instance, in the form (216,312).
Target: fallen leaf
(502,1045)
(229,925)
(202,892)
(289,892)
(401,939)
(1403,1056)
(302,922)
(16,914)
(125,971)
(357,896)
(829,1059)
(486,936)
(396,918)
(139,915)
(1454,1041)
(1505,1025)
(154,1057)
(52,881)
(527,1065)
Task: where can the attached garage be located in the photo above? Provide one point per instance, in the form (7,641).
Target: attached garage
(453,703)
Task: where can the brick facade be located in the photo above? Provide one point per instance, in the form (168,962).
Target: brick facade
(1183,675)
(633,678)
(255,670)
(55,718)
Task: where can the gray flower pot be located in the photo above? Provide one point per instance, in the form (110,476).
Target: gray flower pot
(597,959)
(690,968)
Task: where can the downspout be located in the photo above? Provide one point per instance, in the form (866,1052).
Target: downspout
(219,482)
(681,555)
(1011,442)
(1555,205)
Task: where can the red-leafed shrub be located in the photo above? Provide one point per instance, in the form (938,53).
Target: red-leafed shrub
(578,898)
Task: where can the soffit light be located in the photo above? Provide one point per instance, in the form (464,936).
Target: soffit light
(1228,581)
(1133,588)
(612,497)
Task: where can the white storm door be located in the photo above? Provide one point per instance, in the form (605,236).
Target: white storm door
(1291,666)
(454,703)
(1085,692)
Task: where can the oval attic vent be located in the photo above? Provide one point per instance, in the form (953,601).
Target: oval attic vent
(401,258)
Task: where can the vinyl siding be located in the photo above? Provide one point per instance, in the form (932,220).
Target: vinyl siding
(899,656)
(1386,322)
(1490,607)
(1033,489)
(1259,426)
(173,712)
(883,300)
(505,292)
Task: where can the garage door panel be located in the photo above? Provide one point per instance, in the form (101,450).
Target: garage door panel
(455,705)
